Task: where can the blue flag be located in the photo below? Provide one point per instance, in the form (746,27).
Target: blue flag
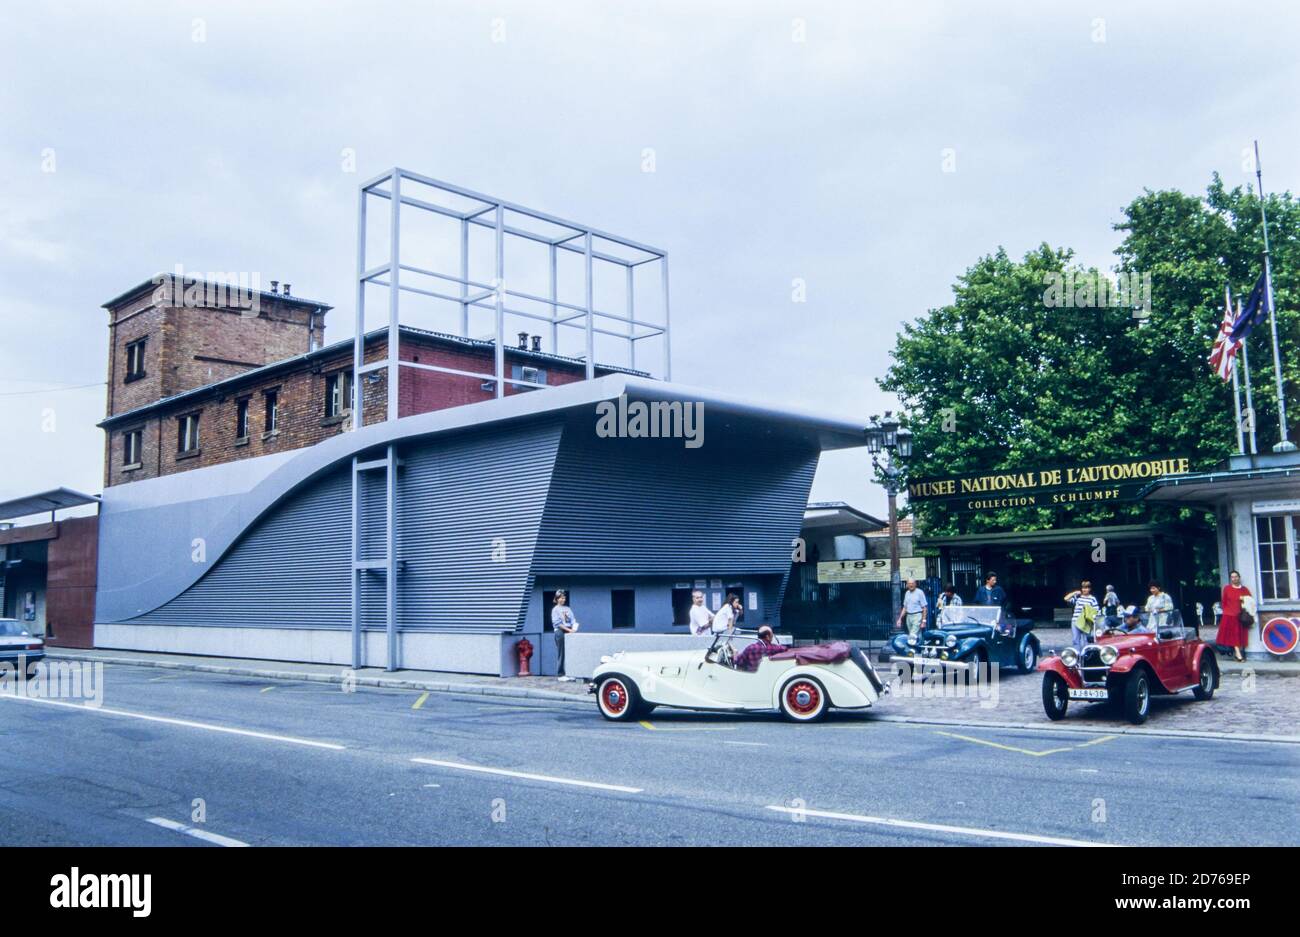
(1253,312)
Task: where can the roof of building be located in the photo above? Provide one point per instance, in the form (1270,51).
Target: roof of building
(906,528)
(159,278)
(52,500)
(828,516)
(1275,473)
(228,384)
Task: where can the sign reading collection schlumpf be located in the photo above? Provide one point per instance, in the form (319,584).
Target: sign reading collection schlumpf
(1049,486)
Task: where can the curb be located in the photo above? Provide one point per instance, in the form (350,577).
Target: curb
(1094,730)
(394,683)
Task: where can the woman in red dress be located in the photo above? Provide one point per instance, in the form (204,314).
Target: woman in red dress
(1231,632)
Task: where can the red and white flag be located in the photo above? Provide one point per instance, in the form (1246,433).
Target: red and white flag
(1224,353)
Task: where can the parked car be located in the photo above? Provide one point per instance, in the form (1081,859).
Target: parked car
(19,646)
(968,635)
(802,683)
(1126,668)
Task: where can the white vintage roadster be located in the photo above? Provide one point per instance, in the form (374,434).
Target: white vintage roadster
(803,682)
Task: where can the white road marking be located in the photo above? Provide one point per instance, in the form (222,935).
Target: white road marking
(249,733)
(937,827)
(755,744)
(204,835)
(526,776)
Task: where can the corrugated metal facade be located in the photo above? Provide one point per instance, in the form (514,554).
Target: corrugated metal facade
(481,513)
(470,510)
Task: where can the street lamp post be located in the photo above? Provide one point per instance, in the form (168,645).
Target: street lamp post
(887,437)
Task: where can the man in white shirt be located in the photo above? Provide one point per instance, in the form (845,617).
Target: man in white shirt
(701,617)
(915,608)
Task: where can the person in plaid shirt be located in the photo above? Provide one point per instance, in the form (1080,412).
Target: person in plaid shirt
(750,657)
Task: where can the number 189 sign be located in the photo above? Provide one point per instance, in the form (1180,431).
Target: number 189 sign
(909,567)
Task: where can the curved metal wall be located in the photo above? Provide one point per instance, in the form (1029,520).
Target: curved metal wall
(470,506)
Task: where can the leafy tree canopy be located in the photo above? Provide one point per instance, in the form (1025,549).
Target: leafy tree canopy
(1014,374)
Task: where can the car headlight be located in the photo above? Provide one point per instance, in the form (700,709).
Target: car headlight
(1069,657)
(952,640)
(1109,655)
(605,658)
(911,639)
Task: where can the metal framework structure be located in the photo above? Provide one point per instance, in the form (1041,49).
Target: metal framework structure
(507,221)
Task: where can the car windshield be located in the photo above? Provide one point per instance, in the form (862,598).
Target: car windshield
(12,628)
(972,615)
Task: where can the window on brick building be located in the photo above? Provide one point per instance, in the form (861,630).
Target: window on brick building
(187,433)
(241,419)
(272,411)
(135,360)
(131,448)
(338,393)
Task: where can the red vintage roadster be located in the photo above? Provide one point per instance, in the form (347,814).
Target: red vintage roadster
(1127,666)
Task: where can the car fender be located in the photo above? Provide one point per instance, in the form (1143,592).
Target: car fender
(898,644)
(1030,638)
(843,693)
(967,646)
(1068,674)
(1201,652)
(1127,663)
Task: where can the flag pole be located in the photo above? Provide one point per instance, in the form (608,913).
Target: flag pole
(1250,400)
(1283,444)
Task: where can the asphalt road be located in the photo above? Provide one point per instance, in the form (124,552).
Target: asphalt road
(306,763)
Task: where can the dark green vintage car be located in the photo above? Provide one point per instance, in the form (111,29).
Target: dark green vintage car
(970,635)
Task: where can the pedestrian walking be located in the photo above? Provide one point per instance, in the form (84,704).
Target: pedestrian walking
(1110,607)
(701,617)
(1236,616)
(563,622)
(915,608)
(1086,610)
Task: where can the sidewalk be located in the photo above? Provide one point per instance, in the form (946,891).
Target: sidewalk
(539,688)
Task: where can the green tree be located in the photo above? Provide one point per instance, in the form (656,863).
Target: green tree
(1008,375)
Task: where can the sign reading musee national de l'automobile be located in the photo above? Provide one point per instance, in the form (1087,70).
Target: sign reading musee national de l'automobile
(1082,483)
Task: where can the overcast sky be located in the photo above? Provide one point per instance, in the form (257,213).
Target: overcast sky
(790,140)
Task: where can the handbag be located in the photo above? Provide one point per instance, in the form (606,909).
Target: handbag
(1245,617)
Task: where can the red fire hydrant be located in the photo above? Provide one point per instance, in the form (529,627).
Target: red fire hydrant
(524,648)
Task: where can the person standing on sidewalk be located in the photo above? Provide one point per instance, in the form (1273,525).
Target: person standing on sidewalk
(1086,611)
(563,622)
(1232,626)
(1159,605)
(724,619)
(991,593)
(700,617)
(915,607)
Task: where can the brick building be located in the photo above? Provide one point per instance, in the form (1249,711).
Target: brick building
(212,376)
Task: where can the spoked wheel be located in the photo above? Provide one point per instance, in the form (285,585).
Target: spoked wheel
(1028,657)
(1056,697)
(618,699)
(1137,698)
(1209,677)
(803,699)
